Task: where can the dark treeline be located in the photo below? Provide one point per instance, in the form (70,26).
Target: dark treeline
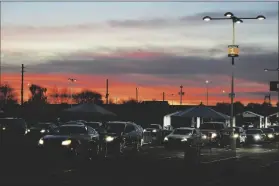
(48,107)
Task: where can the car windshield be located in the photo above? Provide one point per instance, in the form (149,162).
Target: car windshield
(94,125)
(72,130)
(236,129)
(253,132)
(41,125)
(182,131)
(154,126)
(268,130)
(115,127)
(13,123)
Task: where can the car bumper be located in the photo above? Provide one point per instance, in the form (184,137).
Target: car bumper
(56,152)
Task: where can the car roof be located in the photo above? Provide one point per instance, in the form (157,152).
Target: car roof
(124,122)
(215,122)
(82,126)
(188,128)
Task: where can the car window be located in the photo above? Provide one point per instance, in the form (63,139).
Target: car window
(91,130)
(129,128)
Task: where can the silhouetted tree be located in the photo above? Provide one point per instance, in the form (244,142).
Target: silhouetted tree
(38,94)
(88,96)
(238,107)
(7,95)
(130,102)
(55,95)
(254,107)
(64,95)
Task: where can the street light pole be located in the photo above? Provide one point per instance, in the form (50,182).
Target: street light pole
(71,80)
(206,82)
(233,52)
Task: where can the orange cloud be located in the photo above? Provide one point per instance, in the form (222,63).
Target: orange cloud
(123,90)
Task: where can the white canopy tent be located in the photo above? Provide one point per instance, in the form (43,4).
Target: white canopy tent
(262,119)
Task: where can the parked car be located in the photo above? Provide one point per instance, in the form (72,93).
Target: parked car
(156,131)
(122,137)
(276,130)
(180,137)
(36,131)
(215,133)
(95,125)
(71,141)
(270,134)
(255,136)
(12,131)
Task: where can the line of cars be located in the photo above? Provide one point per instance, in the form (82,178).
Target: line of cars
(75,139)
(219,135)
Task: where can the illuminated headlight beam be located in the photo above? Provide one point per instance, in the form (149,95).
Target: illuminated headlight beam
(109,139)
(66,142)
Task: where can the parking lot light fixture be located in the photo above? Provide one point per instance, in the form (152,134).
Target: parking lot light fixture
(261,17)
(228,14)
(207,18)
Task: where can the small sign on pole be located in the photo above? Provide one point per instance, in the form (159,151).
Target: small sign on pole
(233,51)
(274,86)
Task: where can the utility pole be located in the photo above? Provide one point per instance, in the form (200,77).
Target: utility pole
(107,93)
(22,80)
(137,98)
(181,93)
(163,96)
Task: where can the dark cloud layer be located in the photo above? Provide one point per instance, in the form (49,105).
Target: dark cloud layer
(248,67)
(195,19)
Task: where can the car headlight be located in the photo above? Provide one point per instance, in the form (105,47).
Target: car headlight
(184,139)
(41,142)
(109,139)
(4,128)
(43,131)
(270,136)
(236,135)
(166,139)
(257,137)
(204,136)
(144,130)
(154,130)
(66,142)
(213,135)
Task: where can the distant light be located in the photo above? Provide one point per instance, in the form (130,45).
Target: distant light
(266,70)
(224,91)
(261,17)
(206,18)
(206,81)
(228,14)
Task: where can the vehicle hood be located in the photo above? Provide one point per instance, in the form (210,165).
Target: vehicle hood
(252,134)
(113,134)
(64,137)
(36,128)
(208,130)
(173,136)
(150,129)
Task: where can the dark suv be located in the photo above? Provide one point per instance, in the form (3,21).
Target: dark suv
(12,131)
(122,136)
(215,132)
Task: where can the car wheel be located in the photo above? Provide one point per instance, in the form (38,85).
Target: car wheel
(121,146)
(137,147)
(237,143)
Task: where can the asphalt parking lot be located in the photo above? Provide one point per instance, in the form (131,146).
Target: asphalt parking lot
(153,162)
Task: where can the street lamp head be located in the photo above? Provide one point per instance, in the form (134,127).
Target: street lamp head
(228,14)
(238,21)
(261,17)
(206,18)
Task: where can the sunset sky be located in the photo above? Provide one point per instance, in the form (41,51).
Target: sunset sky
(154,46)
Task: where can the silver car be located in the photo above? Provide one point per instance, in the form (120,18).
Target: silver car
(181,137)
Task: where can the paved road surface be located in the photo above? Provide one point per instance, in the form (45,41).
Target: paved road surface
(153,164)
